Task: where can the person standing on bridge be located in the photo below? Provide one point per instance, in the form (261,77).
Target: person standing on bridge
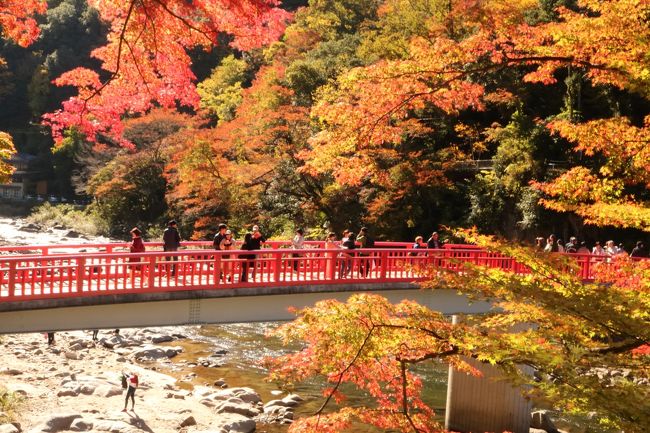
(297,243)
(171,242)
(248,258)
(137,245)
(434,242)
(217,242)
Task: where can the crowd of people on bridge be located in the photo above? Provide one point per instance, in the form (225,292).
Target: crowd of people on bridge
(552,244)
(253,240)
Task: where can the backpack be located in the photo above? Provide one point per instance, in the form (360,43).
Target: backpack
(370,242)
(124,384)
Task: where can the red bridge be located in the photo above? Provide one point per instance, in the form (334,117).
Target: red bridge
(105,276)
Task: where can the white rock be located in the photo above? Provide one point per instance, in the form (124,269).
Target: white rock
(113,426)
(81,425)
(235,407)
(272,403)
(541,420)
(8,428)
(233,423)
(107,391)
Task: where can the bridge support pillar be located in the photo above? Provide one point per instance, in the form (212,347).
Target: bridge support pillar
(485,404)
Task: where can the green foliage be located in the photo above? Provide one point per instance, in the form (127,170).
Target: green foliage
(130,191)
(221,93)
(321,64)
(399,21)
(72,217)
(501,200)
(38,91)
(332,18)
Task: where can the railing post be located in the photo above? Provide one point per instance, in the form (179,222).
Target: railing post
(383,265)
(217,269)
(151,268)
(12,279)
(277,265)
(81,273)
(330,265)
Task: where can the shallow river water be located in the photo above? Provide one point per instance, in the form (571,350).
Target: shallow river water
(247,344)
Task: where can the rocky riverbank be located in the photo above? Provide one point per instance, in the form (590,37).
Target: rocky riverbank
(75,385)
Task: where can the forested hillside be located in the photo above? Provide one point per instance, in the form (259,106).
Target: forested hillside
(401,115)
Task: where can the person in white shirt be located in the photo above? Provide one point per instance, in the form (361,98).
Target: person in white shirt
(598,250)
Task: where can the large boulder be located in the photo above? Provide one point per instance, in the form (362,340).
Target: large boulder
(8,428)
(58,423)
(248,395)
(81,425)
(107,391)
(236,405)
(154,353)
(541,420)
(113,426)
(233,423)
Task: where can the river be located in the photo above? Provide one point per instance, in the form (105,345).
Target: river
(246,344)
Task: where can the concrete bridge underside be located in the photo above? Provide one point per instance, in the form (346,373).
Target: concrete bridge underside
(194,307)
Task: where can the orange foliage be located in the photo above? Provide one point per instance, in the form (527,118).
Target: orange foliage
(147,57)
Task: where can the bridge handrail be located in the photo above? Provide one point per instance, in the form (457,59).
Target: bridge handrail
(33,277)
(186,245)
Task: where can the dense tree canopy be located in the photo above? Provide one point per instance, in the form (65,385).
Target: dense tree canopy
(371,112)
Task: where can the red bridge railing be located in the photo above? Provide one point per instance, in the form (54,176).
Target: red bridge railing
(40,274)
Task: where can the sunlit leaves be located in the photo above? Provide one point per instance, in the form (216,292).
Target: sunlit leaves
(365,342)
(147,59)
(572,332)
(7,150)
(17,20)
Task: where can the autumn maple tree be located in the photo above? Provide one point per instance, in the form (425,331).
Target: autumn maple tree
(586,341)
(371,113)
(17,23)
(146,60)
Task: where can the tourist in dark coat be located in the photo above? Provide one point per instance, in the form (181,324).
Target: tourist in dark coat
(171,242)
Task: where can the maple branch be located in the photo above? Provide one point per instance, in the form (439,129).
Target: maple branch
(186,22)
(345,370)
(135,62)
(562,59)
(621,348)
(430,332)
(119,57)
(405,408)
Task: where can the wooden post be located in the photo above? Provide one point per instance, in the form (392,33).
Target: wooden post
(484,404)
(81,274)
(12,279)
